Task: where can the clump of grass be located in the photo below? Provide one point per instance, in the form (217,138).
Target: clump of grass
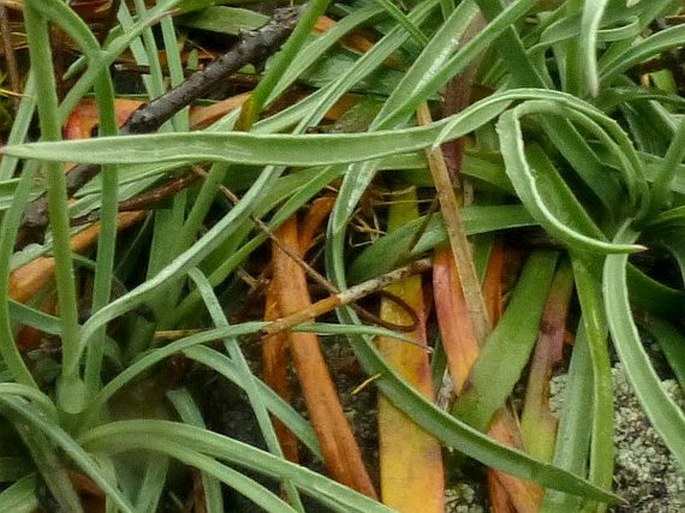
(559,134)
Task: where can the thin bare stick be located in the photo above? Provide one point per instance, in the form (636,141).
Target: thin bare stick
(347,297)
(313,273)
(264,228)
(456,233)
(325,305)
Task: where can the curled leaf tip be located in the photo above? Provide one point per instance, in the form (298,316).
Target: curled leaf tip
(615,249)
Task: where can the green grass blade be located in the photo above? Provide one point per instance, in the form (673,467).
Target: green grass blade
(109,207)
(9,226)
(310,53)
(190,414)
(654,45)
(511,48)
(28,316)
(288,415)
(112,50)
(431,61)
(389,250)
(565,137)
(491,379)
(661,188)
(325,98)
(20,497)
(666,417)
(649,294)
(145,51)
(601,462)
(403,21)
(152,484)
(71,449)
(282,61)
(20,126)
(180,440)
(51,468)
(233,147)
(62,15)
(435,67)
(71,391)
(223,19)
(523,176)
(573,436)
(672,343)
(26,392)
(282,149)
(589,29)
(249,379)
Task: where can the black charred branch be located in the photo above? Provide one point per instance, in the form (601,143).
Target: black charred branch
(253,47)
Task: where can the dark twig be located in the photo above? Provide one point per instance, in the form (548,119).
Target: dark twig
(234,79)
(147,199)
(253,47)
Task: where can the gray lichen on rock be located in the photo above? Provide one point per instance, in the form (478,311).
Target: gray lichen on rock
(462,498)
(646,474)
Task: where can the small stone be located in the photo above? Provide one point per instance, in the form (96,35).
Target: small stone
(461,498)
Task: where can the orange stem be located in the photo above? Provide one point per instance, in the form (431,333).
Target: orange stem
(275,370)
(341,453)
(30,278)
